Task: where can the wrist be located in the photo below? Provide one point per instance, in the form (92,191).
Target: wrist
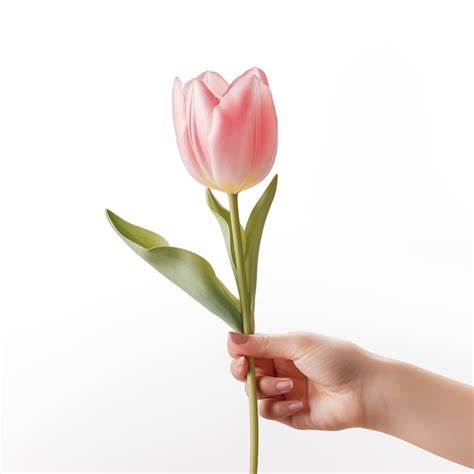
(383,383)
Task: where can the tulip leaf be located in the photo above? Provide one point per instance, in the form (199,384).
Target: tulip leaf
(223,218)
(253,231)
(189,271)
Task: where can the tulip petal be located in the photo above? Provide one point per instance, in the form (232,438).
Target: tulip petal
(254,71)
(181,130)
(200,103)
(243,136)
(215,82)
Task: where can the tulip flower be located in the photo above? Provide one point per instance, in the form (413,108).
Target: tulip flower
(227,138)
(226,134)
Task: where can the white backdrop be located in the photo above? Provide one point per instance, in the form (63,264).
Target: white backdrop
(109,367)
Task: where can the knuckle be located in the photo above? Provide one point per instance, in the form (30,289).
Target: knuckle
(297,334)
(304,338)
(301,342)
(301,337)
(350,350)
(263,342)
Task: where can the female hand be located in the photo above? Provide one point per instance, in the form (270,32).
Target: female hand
(305,380)
(309,381)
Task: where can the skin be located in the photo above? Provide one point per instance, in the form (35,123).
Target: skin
(313,382)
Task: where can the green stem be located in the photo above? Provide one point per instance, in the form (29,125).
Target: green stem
(247,317)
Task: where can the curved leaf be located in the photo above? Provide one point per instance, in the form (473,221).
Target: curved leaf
(223,218)
(189,271)
(253,231)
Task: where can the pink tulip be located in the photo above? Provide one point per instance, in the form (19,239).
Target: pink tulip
(226,134)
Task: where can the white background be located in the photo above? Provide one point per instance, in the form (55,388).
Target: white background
(109,367)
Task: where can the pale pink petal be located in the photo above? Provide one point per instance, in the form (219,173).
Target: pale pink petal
(215,82)
(243,136)
(180,127)
(179,111)
(200,103)
(254,71)
(266,148)
(186,88)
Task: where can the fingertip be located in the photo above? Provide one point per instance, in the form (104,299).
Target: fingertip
(242,367)
(242,362)
(239,368)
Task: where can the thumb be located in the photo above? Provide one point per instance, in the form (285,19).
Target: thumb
(266,346)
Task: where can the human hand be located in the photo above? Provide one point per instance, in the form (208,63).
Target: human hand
(309,381)
(306,380)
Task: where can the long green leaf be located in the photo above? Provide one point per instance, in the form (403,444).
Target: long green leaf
(253,231)
(223,218)
(189,271)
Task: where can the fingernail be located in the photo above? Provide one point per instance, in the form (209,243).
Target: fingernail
(284,385)
(238,338)
(295,406)
(241,361)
